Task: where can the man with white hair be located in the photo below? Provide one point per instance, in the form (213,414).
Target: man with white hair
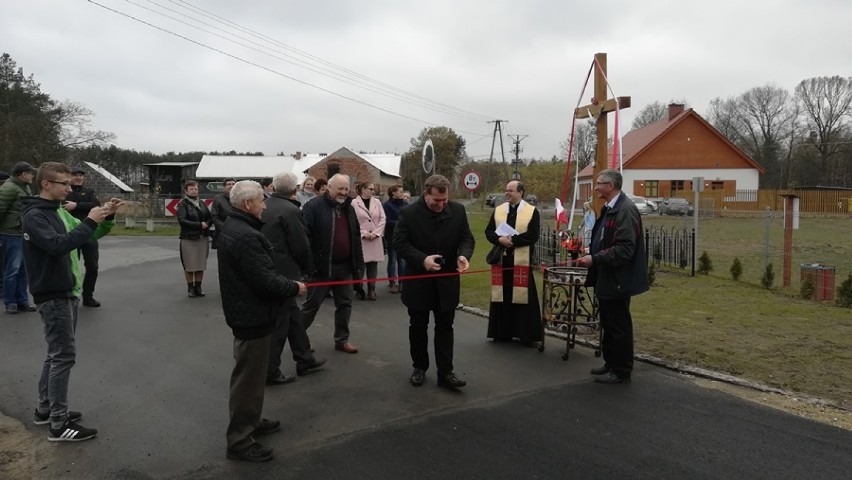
(335,237)
(252,295)
(284,226)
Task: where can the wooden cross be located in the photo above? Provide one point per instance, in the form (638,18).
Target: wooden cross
(598,109)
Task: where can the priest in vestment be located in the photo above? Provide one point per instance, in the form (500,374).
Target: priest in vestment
(514,312)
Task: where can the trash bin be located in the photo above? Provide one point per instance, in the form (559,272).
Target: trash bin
(822,277)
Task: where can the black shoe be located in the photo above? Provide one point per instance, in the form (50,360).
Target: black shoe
(12,309)
(281,379)
(265,427)
(26,307)
(44,418)
(70,432)
(198,292)
(253,453)
(450,380)
(190,291)
(611,378)
(418,376)
(360,293)
(90,302)
(600,370)
(302,370)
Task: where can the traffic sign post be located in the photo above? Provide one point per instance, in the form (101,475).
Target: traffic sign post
(471,181)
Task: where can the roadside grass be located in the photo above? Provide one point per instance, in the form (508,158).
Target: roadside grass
(711,321)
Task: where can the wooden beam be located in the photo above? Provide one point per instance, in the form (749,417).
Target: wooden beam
(605,106)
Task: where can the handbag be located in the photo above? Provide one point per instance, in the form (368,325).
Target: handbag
(495,256)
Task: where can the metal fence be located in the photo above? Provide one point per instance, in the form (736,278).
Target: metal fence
(671,247)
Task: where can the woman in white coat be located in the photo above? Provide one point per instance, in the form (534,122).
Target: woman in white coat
(371,216)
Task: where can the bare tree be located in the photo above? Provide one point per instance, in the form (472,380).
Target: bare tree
(585,142)
(826,103)
(654,112)
(74,122)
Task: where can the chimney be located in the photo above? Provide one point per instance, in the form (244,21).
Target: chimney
(675,109)
(298,156)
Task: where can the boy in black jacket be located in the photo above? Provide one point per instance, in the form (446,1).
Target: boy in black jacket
(51,238)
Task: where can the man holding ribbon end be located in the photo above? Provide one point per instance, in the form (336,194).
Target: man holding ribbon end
(513,230)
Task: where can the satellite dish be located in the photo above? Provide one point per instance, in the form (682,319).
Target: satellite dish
(428,157)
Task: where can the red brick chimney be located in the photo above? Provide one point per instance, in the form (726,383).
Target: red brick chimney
(675,109)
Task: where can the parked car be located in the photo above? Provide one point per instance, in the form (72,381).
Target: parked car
(644,205)
(494,199)
(676,206)
(531,199)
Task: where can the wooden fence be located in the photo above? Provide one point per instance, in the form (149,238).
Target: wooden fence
(714,202)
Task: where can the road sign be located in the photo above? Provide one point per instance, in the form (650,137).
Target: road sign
(428,159)
(471,180)
(170,205)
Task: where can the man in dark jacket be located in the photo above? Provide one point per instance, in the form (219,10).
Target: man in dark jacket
(79,202)
(14,272)
(433,236)
(52,237)
(253,293)
(618,270)
(220,208)
(284,226)
(335,236)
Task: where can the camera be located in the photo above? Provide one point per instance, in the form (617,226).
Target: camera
(441,261)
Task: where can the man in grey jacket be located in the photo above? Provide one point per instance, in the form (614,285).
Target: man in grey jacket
(618,270)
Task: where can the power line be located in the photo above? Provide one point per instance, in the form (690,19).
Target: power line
(268,69)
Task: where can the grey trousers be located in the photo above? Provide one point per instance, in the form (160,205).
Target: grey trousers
(343,295)
(248,381)
(60,322)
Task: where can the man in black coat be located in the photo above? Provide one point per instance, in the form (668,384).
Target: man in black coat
(253,294)
(433,236)
(220,208)
(335,237)
(79,203)
(618,270)
(285,228)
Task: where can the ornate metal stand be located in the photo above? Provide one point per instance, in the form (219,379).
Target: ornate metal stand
(568,306)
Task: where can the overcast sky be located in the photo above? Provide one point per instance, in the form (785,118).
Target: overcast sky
(521,61)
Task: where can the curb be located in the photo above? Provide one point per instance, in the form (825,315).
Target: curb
(692,370)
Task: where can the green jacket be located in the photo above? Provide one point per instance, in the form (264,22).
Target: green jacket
(10,205)
(71,223)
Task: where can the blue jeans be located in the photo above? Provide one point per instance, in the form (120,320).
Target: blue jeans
(14,273)
(396,264)
(60,322)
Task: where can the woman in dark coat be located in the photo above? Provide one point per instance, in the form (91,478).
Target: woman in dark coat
(194,219)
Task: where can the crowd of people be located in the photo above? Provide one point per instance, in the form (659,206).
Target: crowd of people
(277,241)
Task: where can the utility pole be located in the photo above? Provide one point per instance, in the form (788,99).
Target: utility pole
(498,127)
(517,161)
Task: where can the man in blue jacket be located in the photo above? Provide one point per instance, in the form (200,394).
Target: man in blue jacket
(51,239)
(618,270)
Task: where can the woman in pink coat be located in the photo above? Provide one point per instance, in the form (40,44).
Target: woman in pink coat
(371,216)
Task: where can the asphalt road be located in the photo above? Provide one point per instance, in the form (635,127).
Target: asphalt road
(152,375)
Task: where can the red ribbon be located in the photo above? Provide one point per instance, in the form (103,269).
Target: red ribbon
(332,283)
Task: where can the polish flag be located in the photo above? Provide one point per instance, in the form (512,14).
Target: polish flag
(561,216)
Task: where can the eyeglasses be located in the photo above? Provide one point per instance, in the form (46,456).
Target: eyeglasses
(67,184)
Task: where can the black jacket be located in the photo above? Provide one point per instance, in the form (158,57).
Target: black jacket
(619,266)
(220,209)
(319,218)
(252,291)
(85,198)
(47,245)
(420,232)
(284,226)
(190,218)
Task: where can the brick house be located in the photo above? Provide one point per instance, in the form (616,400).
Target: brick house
(380,169)
(661,159)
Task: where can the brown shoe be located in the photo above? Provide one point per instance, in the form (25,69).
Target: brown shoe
(371,295)
(393,288)
(346,347)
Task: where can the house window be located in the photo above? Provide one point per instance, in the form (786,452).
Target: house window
(332,169)
(652,188)
(677,186)
(717,185)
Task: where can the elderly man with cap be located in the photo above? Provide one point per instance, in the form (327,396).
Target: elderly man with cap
(14,273)
(79,203)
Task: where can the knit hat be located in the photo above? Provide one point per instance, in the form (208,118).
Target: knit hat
(4,176)
(22,167)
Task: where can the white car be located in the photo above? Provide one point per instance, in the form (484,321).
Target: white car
(644,205)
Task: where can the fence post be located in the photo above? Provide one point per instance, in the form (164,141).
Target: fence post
(693,252)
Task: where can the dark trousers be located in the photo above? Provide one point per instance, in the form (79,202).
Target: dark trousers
(289,326)
(90,254)
(248,380)
(343,295)
(418,339)
(617,341)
